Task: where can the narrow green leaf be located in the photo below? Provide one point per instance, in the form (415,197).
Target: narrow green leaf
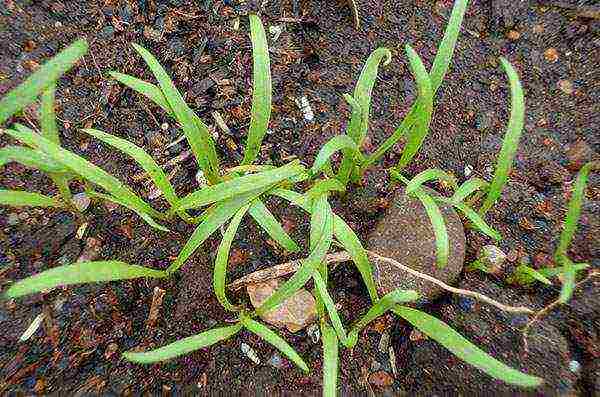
(30,158)
(146,89)
(220,271)
(330,306)
(364,88)
(147,218)
(322,187)
(406,125)
(423,110)
(26,92)
(477,221)
(447,45)
(143,159)
(261,214)
(463,349)
(351,243)
(289,288)
(511,139)
(555,271)
(468,187)
(79,273)
(196,132)
(276,340)
(214,218)
(330,360)
(534,274)
(237,186)
(48,116)
(184,346)
(438,224)
(428,175)
(378,309)
(261,92)
(295,198)
(569,228)
(350,159)
(338,142)
(16,198)
(87,170)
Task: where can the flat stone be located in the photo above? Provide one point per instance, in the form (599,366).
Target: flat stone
(406,235)
(295,313)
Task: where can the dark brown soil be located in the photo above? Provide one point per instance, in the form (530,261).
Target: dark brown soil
(319,55)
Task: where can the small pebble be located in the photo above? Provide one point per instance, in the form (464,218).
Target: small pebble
(574,366)
(551,55)
(13,219)
(81,201)
(201,179)
(380,379)
(468,170)
(416,335)
(276,361)
(164,126)
(565,86)
(250,353)
(492,258)
(513,35)
(314,333)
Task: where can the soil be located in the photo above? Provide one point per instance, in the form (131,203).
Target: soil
(555,49)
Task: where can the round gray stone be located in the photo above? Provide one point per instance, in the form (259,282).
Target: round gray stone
(406,235)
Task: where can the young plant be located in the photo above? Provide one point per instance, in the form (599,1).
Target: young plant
(43,82)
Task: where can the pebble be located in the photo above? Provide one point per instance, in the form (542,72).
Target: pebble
(81,201)
(551,55)
(201,179)
(513,35)
(314,333)
(250,353)
(276,361)
(492,258)
(574,366)
(12,219)
(566,86)
(468,170)
(381,379)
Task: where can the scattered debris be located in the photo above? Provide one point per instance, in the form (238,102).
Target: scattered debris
(91,250)
(380,379)
(276,31)
(551,55)
(392,355)
(220,123)
(566,86)
(157,299)
(81,230)
(250,353)
(305,108)
(513,35)
(490,260)
(295,313)
(384,342)
(110,351)
(201,179)
(33,327)
(276,361)
(416,336)
(574,366)
(468,170)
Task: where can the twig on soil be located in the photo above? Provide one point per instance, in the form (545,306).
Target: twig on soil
(343,256)
(543,312)
(354,7)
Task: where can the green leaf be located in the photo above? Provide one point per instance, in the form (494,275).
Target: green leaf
(295,198)
(220,272)
(510,143)
(261,214)
(330,360)
(446,48)
(405,126)
(48,116)
(238,186)
(467,188)
(330,306)
(147,218)
(324,186)
(46,75)
(79,273)
(364,88)
(534,274)
(351,243)
(87,170)
(148,90)
(438,224)
(30,158)
(261,92)
(555,271)
(338,142)
(289,288)
(17,198)
(196,132)
(184,346)
(463,349)
(423,110)
(428,175)
(351,156)
(276,340)
(569,228)
(143,159)
(214,218)
(378,309)
(477,221)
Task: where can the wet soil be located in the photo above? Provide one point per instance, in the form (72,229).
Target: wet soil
(555,50)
